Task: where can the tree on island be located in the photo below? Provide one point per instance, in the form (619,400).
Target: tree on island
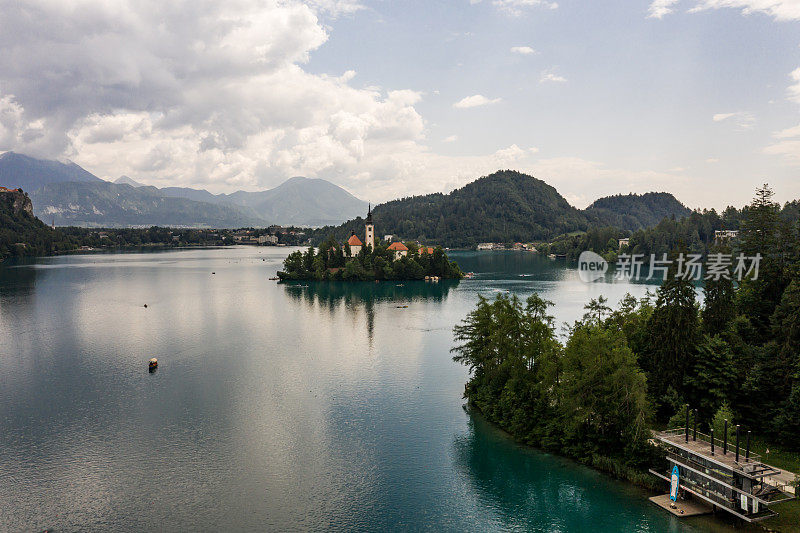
(332,262)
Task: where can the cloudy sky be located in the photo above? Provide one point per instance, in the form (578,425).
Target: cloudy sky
(392,98)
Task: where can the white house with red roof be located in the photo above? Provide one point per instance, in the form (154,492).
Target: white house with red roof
(399,250)
(355,245)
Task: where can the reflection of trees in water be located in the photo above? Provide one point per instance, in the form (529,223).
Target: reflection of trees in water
(510,264)
(331,294)
(18,280)
(354,295)
(526,489)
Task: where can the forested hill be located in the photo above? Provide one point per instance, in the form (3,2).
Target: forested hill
(506,206)
(21,233)
(636,211)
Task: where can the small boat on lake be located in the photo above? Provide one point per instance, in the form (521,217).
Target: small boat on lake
(152,364)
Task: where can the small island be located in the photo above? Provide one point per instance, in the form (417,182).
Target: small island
(369,261)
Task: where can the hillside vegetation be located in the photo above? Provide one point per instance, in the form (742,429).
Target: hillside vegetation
(506,206)
(21,233)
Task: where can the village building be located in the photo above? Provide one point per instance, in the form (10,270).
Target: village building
(399,249)
(355,245)
(725,234)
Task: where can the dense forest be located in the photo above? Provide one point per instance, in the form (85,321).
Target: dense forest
(21,233)
(506,206)
(622,371)
(693,233)
(635,211)
(333,262)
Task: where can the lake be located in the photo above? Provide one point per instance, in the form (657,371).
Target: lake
(316,406)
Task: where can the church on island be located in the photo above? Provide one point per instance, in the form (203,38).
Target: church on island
(369,259)
(398,248)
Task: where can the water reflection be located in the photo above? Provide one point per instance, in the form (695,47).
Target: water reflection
(332,293)
(363,296)
(17,280)
(307,406)
(522,487)
(510,265)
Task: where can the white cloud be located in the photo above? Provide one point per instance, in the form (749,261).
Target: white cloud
(788,149)
(210,94)
(794,89)
(777,9)
(743,120)
(788,133)
(523,50)
(550,76)
(475,100)
(516,8)
(659,8)
(450,139)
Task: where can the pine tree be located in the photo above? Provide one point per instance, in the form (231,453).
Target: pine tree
(674,334)
(719,305)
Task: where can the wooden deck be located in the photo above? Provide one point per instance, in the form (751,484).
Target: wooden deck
(683,508)
(703,448)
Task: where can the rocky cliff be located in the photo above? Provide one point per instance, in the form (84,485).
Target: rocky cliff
(17,200)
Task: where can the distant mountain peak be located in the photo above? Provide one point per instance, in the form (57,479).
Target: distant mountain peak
(125,180)
(30,173)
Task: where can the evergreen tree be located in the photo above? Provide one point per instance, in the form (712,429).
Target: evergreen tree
(673,331)
(708,383)
(719,297)
(603,396)
(758,297)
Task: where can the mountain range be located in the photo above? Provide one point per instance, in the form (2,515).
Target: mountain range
(66,194)
(506,206)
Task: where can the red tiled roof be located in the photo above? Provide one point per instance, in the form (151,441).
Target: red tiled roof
(354,241)
(399,246)
(425,249)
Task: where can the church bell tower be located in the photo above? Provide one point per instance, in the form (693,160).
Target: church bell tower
(370,227)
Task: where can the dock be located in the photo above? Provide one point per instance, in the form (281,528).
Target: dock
(719,474)
(683,508)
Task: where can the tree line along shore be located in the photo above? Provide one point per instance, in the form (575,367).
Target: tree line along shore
(619,373)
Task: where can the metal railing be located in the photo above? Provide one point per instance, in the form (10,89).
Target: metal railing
(718,445)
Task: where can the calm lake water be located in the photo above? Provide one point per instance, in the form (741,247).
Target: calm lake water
(274,407)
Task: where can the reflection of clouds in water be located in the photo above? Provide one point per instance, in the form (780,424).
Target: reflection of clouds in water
(320,407)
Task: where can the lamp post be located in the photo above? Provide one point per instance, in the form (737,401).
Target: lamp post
(725,439)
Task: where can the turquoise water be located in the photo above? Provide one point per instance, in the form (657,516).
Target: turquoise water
(275,407)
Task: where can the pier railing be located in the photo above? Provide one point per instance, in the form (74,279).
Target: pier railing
(677,436)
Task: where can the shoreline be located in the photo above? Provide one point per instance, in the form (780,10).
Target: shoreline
(640,480)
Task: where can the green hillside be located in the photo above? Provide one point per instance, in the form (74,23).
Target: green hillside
(506,206)
(636,211)
(21,233)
